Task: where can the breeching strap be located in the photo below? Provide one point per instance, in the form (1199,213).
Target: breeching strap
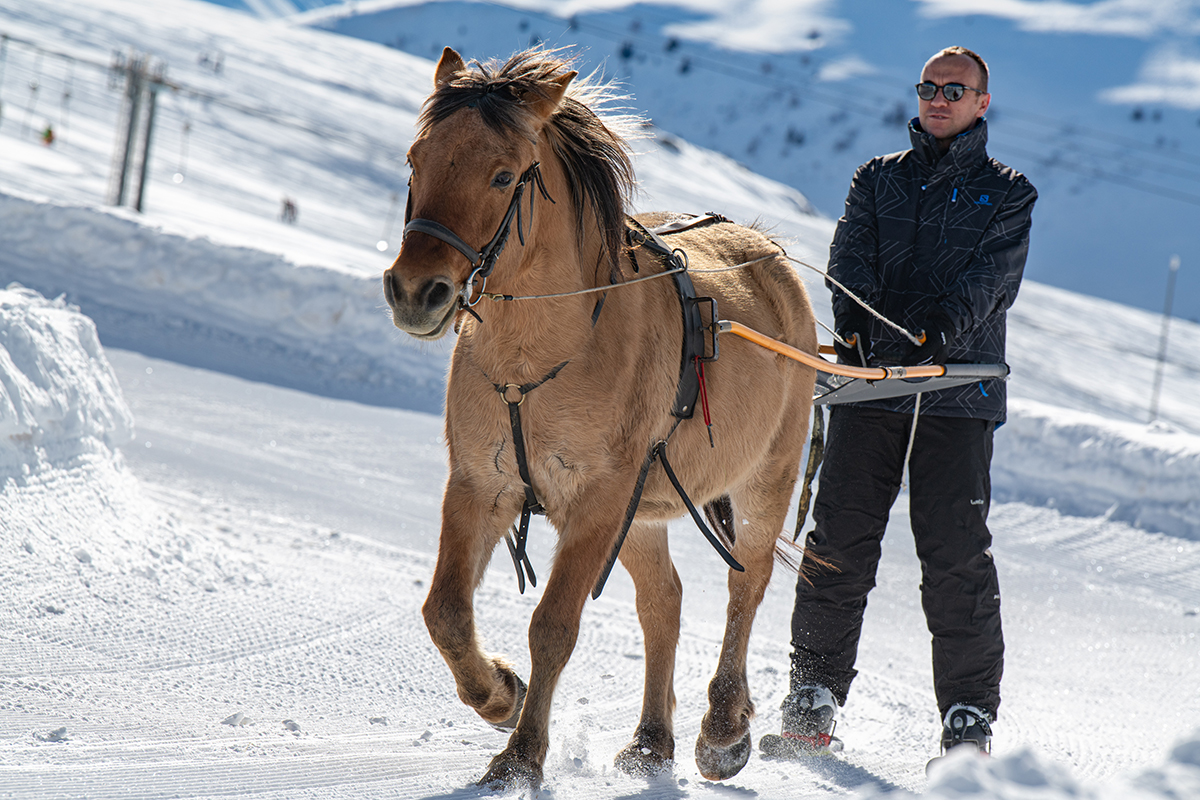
(658,451)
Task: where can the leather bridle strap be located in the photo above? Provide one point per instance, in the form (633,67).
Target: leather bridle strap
(439,231)
(484,261)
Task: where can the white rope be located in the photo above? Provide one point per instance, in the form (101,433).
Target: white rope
(743,265)
(912,437)
(858,300)
(499,297)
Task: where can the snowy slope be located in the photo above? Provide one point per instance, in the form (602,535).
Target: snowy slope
(213,584)
(304,306)
(233,610)
(1095,101)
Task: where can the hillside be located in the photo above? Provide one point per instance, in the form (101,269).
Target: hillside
(221,471)
(1096,102)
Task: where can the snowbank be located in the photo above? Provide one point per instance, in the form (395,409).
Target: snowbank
(255,314)
(59,398)
(1088,465)
(1026,775)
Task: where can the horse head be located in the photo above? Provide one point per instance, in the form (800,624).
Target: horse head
(474,164)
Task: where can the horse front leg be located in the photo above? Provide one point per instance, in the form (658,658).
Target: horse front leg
(471,528)
(585,545)
(659,600)
(723,747)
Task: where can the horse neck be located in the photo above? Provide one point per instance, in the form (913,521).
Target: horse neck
(524,339)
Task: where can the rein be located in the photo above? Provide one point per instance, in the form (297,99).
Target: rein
(484,261)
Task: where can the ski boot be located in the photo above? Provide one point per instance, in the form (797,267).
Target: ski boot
(809,717)
(965,726)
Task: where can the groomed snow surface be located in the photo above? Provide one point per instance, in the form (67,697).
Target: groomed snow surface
(226,603)
(213,551)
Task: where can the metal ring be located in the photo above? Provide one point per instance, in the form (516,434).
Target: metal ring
(504,393)
(469,287)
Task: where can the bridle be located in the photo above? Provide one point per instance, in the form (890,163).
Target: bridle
(482,261)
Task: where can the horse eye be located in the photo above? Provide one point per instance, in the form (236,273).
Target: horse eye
(502,181)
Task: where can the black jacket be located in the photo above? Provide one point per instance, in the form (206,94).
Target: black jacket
(928,233)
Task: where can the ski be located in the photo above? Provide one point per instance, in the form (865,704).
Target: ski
(788,749)
(937,759)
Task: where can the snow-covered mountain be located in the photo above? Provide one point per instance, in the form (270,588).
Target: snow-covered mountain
(213,580)
(1097,102)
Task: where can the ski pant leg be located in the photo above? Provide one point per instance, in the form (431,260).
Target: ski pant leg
(859,481)
(960,592)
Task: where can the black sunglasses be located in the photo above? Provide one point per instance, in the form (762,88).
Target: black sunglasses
(953,92)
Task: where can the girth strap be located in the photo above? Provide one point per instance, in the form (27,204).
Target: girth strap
(693,350)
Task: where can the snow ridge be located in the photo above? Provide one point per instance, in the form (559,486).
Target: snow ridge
(241,310)
(59,398)
(1086,465)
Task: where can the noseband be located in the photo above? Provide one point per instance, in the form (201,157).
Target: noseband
(483,261)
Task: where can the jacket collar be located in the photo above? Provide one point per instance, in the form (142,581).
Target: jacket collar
(967,148)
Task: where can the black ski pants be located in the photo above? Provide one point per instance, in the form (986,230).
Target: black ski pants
(950,493)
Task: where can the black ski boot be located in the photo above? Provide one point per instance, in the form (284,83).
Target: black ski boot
(967,725)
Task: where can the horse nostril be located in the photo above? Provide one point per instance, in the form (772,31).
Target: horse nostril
(389,290)
(437,293)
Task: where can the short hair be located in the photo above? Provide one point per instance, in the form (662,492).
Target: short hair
(971,54)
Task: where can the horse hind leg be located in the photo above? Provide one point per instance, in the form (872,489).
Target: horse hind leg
(724,747)
(646,557)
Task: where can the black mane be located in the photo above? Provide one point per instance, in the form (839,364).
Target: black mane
(596,160)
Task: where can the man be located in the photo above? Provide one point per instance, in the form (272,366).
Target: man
(934,239)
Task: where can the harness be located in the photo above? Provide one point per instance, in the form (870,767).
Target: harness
(691,361)
(690,389)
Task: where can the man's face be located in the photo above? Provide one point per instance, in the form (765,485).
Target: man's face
(944,119)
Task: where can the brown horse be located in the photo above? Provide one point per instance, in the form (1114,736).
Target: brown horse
(593,377)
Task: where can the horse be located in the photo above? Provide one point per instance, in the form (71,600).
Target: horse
(557,400)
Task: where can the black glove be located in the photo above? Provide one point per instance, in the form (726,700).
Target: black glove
(939,335)
(852,325)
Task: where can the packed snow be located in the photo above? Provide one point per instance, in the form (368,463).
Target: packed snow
(221,474)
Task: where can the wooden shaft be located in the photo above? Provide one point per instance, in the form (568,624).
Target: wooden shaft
(815,361)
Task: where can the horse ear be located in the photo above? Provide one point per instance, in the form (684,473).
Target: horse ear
(556,90)
(448,66)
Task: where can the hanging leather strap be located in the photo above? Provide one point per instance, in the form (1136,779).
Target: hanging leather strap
(532,505)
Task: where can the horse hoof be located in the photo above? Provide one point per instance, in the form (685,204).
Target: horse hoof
(639,761)
(719,763)
(511,722)
(507,775)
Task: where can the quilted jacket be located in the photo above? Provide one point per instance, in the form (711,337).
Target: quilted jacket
(925,230)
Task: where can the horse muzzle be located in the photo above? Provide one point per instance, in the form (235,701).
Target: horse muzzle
(423,308)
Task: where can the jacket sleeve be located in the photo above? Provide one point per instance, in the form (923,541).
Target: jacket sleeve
(855,248)
(990,282)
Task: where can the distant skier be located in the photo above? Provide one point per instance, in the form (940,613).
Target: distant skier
(934,238)
(288,212)
(48,135)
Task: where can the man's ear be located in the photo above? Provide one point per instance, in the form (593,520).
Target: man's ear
(449,65)
(983,106)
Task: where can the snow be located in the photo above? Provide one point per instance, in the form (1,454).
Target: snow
(221,468)
(58,395)
(1095,102)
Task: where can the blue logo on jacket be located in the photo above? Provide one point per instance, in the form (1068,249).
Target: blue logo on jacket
(983,200)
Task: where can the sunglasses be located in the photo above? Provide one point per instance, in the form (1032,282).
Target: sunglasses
(953,92)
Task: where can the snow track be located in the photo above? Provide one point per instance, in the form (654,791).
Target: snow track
(196,606)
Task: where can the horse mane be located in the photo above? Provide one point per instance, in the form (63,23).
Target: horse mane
(592,148)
